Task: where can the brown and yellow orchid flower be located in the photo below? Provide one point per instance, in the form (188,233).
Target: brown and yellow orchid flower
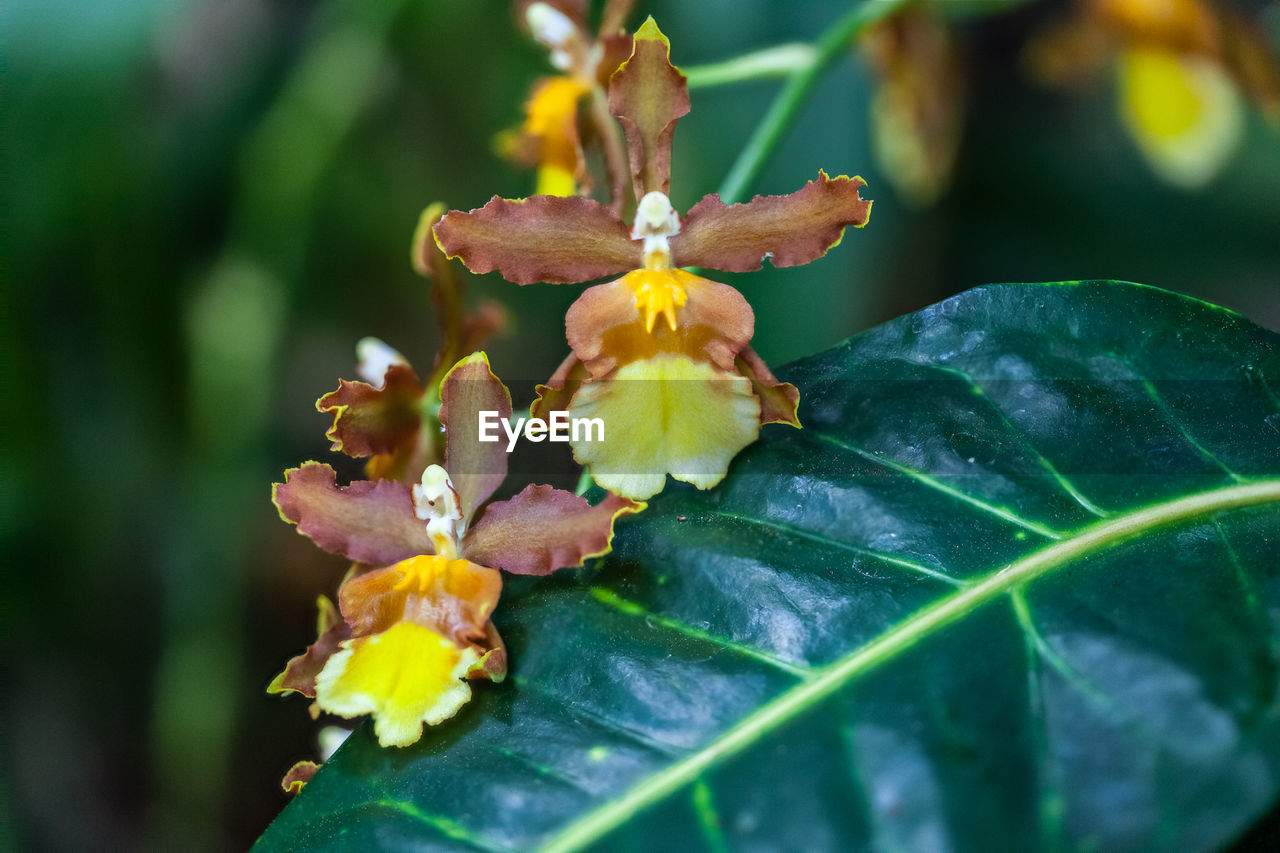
(660,354)
(1181,69)
(404,637)
(390,415)
(549,138)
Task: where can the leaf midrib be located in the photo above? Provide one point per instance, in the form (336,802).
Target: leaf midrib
(1083,542)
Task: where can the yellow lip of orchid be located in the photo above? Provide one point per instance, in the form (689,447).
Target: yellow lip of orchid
(658,292)
(421,573)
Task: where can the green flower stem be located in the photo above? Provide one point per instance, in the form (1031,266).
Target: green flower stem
(780,61)
(782,112)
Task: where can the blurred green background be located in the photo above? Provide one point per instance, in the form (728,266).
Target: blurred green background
(209,201)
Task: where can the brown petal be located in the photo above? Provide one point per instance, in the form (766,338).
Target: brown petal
(460,604)
(298,776)
(559,390)
(541,238)
(368,421)
(300,672)
(543,529)
(367,521)
(605,328)
(476,467)
(647,95)
(615,50)
(778,400)
(492,665)
(794,229)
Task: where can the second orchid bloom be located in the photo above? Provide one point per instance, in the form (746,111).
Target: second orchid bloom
(661,354)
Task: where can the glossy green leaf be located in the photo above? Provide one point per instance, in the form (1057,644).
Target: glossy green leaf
(1016,584)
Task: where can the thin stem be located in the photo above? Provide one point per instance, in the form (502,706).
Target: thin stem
(782,112)
(780,61)
(615,156)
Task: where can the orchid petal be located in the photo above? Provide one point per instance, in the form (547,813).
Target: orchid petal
(647,95)
(406,676)
(299,675)
(454,598)
(475,467)
(298,776)
(367,521)
(790,229)
(543,529)
(706,415)
(541,238)
(605,328)
(778,400)
(559,390)
(368,420)
(492,665)
(447,288)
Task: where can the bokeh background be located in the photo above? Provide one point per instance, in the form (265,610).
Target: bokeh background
(209,201)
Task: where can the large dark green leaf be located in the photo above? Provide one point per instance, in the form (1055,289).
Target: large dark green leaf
(1016,583)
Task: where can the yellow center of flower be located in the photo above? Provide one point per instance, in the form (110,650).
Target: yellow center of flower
(658,288)
(421,573)
(658,292)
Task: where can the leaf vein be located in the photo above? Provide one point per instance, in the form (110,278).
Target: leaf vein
(606,723)
(1061,479)
(611,599)
(933,483)
(823,539)
(784,707)
(1052,799)
(450,829)
(1156,398)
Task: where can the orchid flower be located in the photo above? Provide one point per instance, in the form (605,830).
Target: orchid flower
(390,416)
(412,623)
(549,138)
(1181,69)
(661,354)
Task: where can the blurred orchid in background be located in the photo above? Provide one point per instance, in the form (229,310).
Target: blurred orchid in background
(551,137)
(1184,70)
